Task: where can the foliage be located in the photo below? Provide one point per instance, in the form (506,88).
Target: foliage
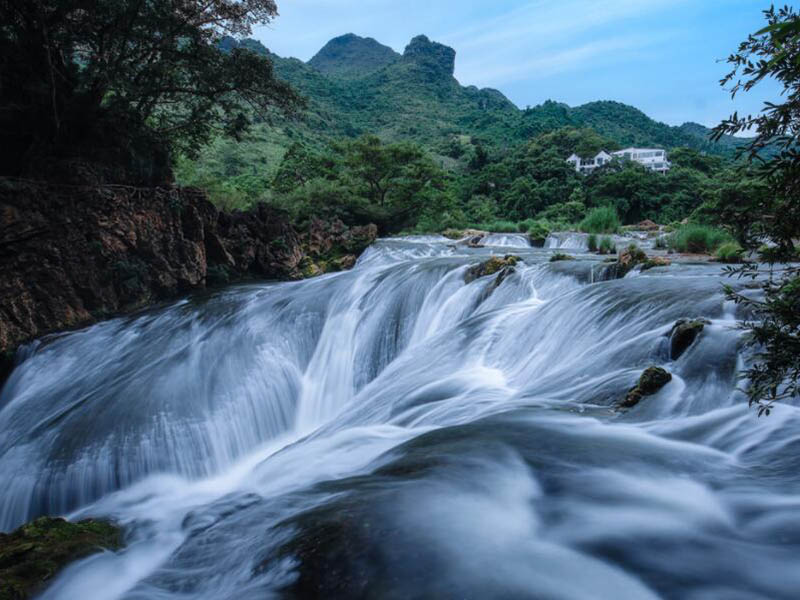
(602,219)
(366,181)
(729,252)
(772,53)
(497,226)
(607,246)
(124,85)
(698,239)
(538,232)
(591,242)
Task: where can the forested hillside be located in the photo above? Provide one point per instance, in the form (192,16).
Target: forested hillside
(483,158)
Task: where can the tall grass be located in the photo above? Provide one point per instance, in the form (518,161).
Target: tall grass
(602,219)
(698,239)
(591,242)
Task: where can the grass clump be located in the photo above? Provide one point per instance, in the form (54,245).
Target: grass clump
(497,226)
(603,219)
(729,252)
(699,239)
(592,242)
(538,232)
(558,256)
(606,246)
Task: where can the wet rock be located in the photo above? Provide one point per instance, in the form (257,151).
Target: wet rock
(656,261)
(650,382)
(627,259)
(491,266)
(33,554)
(71,255)
(683,334)
(558,256)
(646,225)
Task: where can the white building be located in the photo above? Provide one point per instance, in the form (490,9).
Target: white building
(654,159)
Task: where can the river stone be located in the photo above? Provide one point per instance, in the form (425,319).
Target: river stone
(491,266)
(650,382)
(32,555)
(683,334)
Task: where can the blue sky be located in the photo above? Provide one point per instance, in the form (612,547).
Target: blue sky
(662,56)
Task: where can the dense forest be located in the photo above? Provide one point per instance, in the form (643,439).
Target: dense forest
(396,140)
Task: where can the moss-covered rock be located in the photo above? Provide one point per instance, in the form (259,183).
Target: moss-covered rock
(650,382)
(491,266)
(32,555)
(656,261)
(558,256)
(683,334)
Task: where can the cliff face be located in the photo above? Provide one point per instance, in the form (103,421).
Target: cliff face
(70,255)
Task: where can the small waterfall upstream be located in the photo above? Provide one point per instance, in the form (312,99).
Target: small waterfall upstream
(393,431)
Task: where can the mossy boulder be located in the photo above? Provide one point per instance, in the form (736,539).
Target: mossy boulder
(650,382)
(558,256)
(491,266)
(33,554)
(656,261)
(683,334)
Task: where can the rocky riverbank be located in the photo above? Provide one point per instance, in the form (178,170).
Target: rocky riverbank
(70,255)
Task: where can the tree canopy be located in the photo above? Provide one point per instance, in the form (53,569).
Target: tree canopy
(772,214)
(125,85)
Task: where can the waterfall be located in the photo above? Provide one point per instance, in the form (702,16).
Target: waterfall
(395,431)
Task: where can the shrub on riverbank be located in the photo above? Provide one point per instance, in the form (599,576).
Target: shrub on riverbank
(698,239)
(538,232)
(607,246)
(730,252)
(602,219)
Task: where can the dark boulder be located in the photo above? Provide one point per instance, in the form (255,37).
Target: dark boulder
(33,554)
(650,382)
(683,334)
(495,264)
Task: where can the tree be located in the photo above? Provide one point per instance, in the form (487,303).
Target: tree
(773,52)
(125,85)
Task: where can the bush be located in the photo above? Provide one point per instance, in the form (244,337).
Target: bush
(602,219)
(497,226)
(566,212)
(525,226)
(607,246)
(538,232)
(730,252)
(698,239)
(592,242)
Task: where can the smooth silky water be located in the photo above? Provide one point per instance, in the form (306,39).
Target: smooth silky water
(392,432)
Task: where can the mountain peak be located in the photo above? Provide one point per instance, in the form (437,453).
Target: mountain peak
(352,55)
(432,55)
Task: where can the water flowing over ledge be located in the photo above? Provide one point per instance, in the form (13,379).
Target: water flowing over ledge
(394,430)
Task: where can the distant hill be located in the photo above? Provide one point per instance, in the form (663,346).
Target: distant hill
(356,85)
(352,56)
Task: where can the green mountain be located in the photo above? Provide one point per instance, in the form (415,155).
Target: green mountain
(352,56)
(358,86)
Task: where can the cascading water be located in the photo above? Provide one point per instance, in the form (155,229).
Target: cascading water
(393,431)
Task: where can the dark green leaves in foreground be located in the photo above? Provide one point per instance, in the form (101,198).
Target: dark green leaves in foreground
(121,86)
(773,214)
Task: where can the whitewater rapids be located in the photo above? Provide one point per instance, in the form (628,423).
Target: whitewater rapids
(394,432)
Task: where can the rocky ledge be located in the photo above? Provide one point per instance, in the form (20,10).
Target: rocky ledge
(32,555)
(70,255)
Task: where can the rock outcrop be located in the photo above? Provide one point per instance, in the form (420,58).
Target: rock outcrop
(32,555)
(650,382)
(495,264)
(70,255)
(433,57)
(683,334)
